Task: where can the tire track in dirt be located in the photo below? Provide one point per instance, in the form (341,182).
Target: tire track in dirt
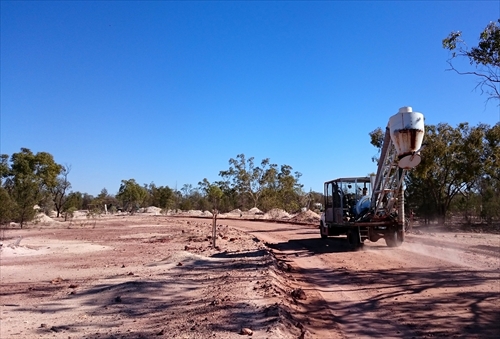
(426,288)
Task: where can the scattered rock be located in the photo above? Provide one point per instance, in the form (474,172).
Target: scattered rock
(57,280)
(73,286)
(179,264)
(118,299)
(284,266)
(246,331)
(298,293)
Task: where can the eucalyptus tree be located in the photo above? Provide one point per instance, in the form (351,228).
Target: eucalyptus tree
(30,177)
(74,200)
(451,164)
(247,178)
(162,196)
(212,192)
(7,206)
(60,190)
(131,195)
(4,167)
(489,183)
(282,188)
(485,58)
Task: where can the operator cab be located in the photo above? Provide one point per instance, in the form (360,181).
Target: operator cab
(347,199)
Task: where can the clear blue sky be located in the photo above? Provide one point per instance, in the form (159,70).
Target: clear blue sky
(168,92)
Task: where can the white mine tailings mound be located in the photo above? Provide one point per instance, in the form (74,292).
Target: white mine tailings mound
(277,214)
(43,219)
(151,210)
(196,213)
(308,216)
(255,210)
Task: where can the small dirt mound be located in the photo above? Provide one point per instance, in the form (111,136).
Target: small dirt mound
(153,209)
(43,219)
(197,213)
(255,210)
(277,214)
(306,217)
(207,214)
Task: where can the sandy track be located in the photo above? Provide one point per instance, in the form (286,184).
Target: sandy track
(436,285)
(154,277)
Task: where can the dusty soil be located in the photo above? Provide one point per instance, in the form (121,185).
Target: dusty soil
(159,277)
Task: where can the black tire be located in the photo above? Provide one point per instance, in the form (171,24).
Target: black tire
(354,239)
(395,237)
(323,236)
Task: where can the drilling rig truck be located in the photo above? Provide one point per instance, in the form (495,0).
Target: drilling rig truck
(372,207)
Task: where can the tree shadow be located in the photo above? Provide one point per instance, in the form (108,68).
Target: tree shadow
(403,304)
(124,299)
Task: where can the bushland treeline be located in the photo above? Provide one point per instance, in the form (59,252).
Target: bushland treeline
(459,175)
(29,179)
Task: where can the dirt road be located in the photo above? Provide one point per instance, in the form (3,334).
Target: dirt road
(436,285)
(159,277)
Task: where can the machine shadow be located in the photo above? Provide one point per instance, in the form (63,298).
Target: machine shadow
(313,246)
(400,303)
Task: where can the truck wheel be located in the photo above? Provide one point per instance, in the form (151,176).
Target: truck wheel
(395,237)
(354,240)
(323,236)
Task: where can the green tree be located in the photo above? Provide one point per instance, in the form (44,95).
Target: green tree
(451,164)
(59,191)
(213,193)
(485,58)
(87,201)
(492,152)
(7,207)
(4,167)
(131,195)
(103,203)
(162,197)
(377,140)
(74,200)
(30,177)
(230,197)
(247,178)
(489,185)
(282,189)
